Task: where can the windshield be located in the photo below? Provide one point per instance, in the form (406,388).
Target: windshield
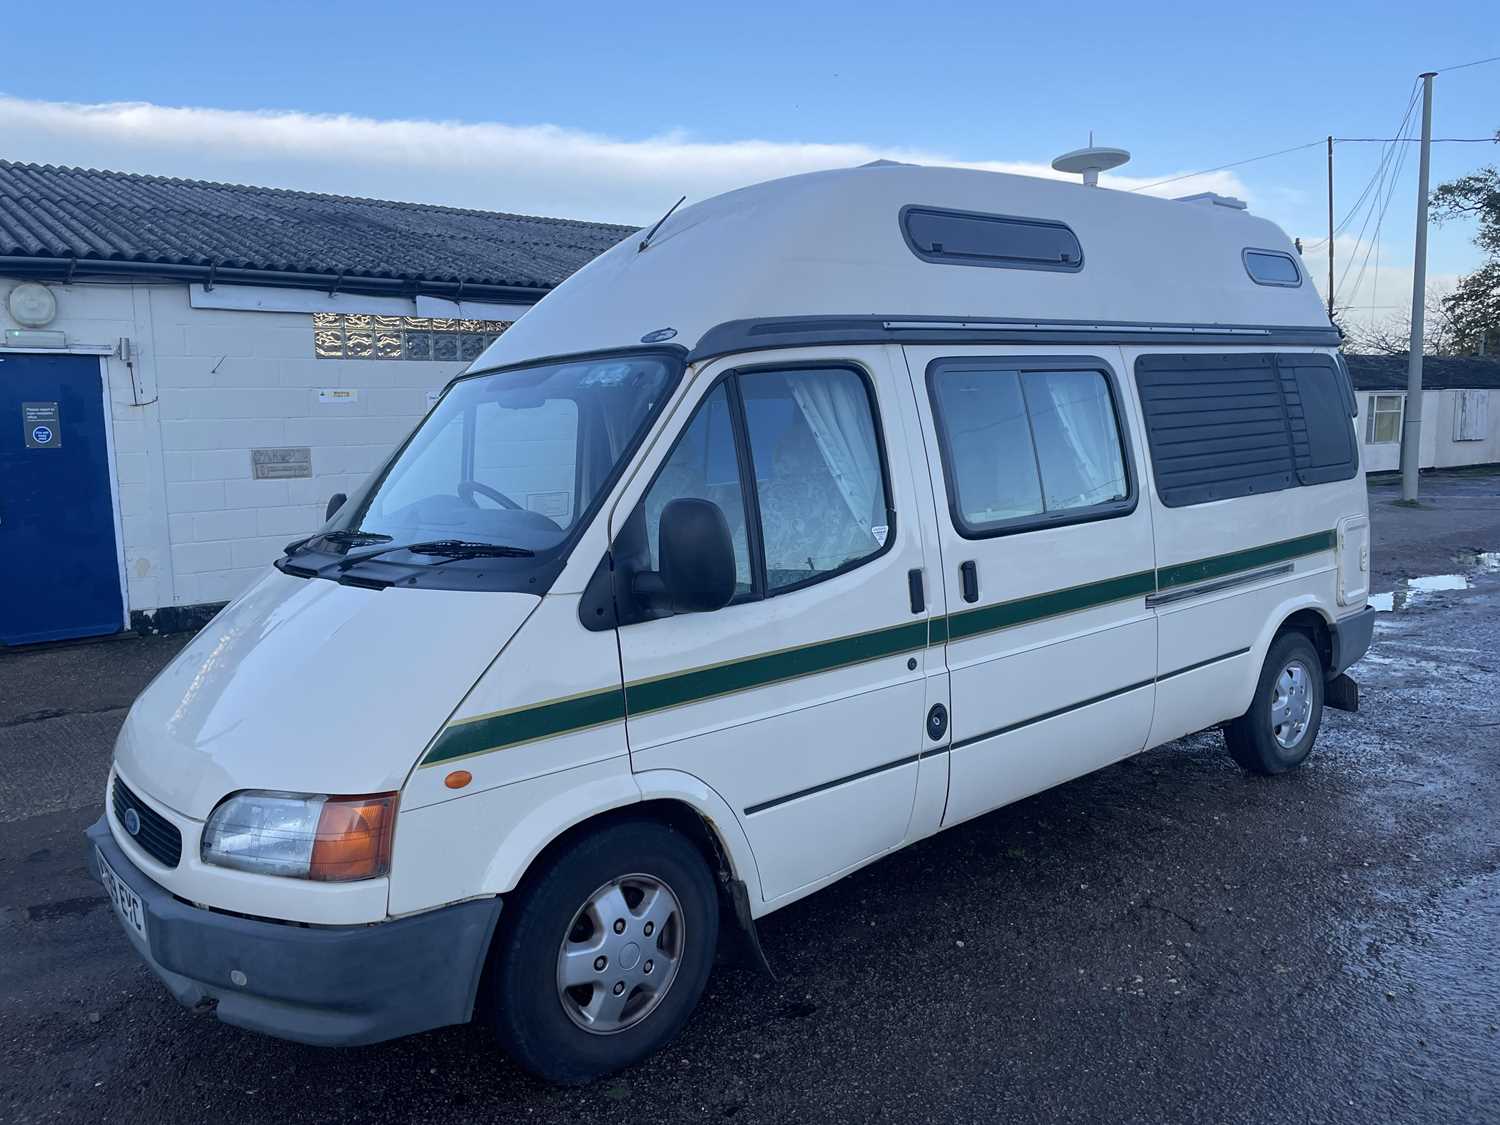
(512,459)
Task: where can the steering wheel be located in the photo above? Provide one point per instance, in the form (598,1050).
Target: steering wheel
(467,488)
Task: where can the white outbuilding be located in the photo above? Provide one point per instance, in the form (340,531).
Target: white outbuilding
(189,370)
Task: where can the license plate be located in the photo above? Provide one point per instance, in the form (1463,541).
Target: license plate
(126,902)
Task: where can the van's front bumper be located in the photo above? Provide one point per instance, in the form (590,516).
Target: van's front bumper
(329,985)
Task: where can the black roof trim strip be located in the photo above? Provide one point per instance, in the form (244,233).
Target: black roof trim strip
(804,331)
(94,269)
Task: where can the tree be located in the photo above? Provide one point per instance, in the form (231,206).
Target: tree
(1474,306)
(1392,335)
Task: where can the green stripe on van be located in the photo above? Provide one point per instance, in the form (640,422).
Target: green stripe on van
(484,733)
(645,696)
(1217,566)
(1023,611)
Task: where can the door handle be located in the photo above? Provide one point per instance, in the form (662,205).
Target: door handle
(968,575)
(914,586)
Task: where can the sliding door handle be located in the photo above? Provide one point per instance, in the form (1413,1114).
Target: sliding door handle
(968,576)
(914,586)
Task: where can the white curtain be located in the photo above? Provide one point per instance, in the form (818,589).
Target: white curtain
(1079,408)
(837,412)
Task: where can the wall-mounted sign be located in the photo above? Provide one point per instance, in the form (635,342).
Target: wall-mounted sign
(338,394)
(41,424)
(432,397)
(282,463)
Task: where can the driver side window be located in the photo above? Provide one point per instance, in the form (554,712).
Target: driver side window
(704,465)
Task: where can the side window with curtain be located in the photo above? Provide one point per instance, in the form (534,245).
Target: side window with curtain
(824,505)
(1023,449)
(704,465)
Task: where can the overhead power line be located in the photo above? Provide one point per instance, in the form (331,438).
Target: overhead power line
(1234,164)
(1462,66)
(1418,140)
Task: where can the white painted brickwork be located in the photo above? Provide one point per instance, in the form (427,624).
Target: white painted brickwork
(195,526)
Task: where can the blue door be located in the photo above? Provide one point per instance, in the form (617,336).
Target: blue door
(59,566)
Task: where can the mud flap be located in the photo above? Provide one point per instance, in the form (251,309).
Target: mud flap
(1342,693)
(739,894)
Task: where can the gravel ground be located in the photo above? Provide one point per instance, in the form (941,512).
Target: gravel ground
(1166,940)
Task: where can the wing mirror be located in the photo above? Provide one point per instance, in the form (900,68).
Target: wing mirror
(696,559)
(335,502)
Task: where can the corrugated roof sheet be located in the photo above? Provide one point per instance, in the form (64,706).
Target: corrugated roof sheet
(55,212)
(1439,372)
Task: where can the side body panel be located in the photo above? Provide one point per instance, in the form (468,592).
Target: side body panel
(803,711)
(1230,571)
(1052,663)
(542,734)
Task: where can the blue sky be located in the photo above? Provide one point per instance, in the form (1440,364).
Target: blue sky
(606,110)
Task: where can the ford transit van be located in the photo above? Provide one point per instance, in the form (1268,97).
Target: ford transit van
(832,513)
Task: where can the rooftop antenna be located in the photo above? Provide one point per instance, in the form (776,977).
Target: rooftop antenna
(1089,162)
(645,242)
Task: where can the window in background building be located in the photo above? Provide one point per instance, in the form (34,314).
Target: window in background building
(1471,416)
(1383,419)
(434,339)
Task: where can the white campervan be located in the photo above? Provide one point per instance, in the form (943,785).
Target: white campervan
(831,513)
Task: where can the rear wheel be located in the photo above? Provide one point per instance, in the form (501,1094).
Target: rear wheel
(1278,731)
(605,953)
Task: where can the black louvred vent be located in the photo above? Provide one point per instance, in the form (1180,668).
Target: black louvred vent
(158,836)
(1221,426)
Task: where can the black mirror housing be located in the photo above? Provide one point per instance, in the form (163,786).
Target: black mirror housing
(697,556)
(335,502)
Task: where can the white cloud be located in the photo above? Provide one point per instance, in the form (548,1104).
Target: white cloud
(537,169)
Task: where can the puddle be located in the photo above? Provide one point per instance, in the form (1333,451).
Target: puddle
(1480,560)
(1430,583)
(1414,591)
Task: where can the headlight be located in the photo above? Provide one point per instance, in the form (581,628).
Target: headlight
(302,836)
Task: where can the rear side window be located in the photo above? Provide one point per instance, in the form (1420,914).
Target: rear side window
(1272,267)
(1024,449)
(1220,426)
(970,238)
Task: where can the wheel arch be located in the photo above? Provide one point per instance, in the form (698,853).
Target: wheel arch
(680,800)
(1303,613)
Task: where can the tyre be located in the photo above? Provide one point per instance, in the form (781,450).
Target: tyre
(604,954)
(1278,730)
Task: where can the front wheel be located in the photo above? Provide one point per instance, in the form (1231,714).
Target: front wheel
(606,953)
(1278,730)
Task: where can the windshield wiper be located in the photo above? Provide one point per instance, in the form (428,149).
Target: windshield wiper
(450,548)
(346,538)
(353,535)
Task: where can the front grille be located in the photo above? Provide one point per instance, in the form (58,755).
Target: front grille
(158,836)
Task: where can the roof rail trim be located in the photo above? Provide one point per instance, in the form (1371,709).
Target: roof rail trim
(804,331)
(94,269)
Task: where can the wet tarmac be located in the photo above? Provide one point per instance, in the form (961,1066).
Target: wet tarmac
(1166,940)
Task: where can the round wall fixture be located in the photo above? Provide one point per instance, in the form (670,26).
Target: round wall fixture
(32,305)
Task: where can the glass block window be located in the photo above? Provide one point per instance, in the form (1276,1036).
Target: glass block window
(425,338)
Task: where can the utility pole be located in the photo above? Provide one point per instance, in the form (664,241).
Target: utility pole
(1330,228)
(1411,428)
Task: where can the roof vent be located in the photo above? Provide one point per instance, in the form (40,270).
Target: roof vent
(1214,198)
(1089,162)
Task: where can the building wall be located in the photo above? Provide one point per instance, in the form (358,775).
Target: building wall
(1449,452)
(1438,449)
(210,385)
